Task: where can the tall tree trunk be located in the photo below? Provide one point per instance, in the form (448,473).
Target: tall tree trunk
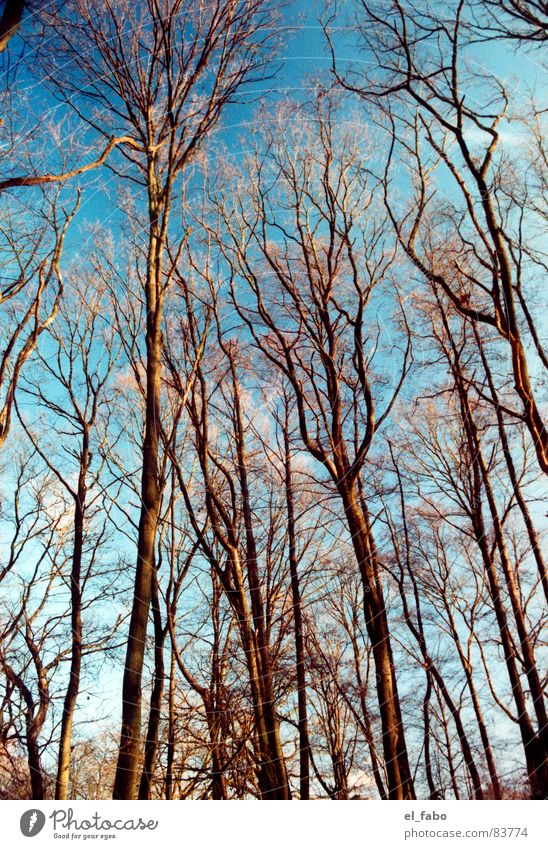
(433,790)
(34,721)
(71,695)
(218,783)
(35,764)
(304,740)
(365,720)
(156,696)
(171,729)
(216,714)
(400,783)
(340,771)
(129,757)
(450,758)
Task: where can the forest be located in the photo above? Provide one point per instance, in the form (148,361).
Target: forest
(272,399)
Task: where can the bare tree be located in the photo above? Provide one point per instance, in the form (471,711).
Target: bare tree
(165,73)
(311,276)
(24,633)
(76,376)
(468,460)
(230,524)
(428,103)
